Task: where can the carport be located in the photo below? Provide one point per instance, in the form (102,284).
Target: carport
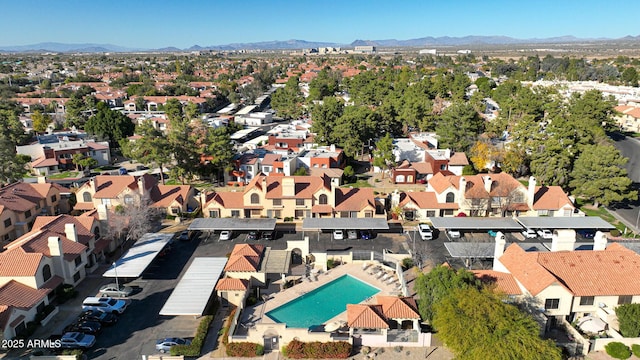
(133,263)
(471,223)
(578,222)
(192,294)
(319,224)
(468,251)
(232,224)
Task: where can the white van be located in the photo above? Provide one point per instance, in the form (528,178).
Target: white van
(105,304)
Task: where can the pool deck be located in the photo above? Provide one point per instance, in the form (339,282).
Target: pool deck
(256,313)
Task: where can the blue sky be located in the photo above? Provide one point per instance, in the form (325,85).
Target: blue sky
(155,24)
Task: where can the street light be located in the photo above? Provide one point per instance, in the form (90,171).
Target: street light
(115,270)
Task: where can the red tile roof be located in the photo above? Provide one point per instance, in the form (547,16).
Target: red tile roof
(18,262)
(165,195)
(232,284)
(22,296)
(355,199)
(366,316)
(550,198)
(424,200)
(394,307)
(504,282)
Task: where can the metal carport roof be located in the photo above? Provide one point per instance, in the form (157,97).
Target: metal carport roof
(470,250)
(211,224)
(344,223)
(191,295)
(133,263)
(577,222)
(472,223)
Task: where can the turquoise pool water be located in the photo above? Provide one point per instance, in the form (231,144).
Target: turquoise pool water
(323,303)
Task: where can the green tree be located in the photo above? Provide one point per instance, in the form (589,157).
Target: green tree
(630,76)
(629,319)
(323,85)
(478,324)
(84,162)
(325,117)
(348,173)
(152,148)
(439,283)
(219,147)
(12,166)
(40,121)
(459,127)
(599,175)
(109,125)
(353,129)
(183,144)
(383,154)
(287,101)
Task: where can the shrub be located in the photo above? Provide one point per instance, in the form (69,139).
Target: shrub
(244,349)
(618,350)
(227,326)
(629,319)
(198,340)
(316,350)
(365,350)
(407,263)
(76,352)
(635,349)
(615,232)
(65,292)
(331,264)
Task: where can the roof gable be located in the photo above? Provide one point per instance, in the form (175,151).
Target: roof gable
(366,316)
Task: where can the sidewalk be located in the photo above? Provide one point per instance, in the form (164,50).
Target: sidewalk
(212,348)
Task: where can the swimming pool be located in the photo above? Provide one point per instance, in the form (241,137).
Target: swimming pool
(323,303)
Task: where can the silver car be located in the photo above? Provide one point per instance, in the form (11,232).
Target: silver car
(164,345)
(112,290)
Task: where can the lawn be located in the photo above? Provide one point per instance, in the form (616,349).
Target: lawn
(358,184)
(605,215)
(65,175)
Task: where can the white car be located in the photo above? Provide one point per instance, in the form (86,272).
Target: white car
(425,232)
(454,234)
(225,235)
(545,233)
(529,234)
(338,234)
(105,304)
(352,234)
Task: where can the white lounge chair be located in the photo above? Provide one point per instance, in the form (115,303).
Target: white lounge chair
(384,277)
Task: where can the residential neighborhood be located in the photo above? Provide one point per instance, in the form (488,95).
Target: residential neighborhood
(222,203)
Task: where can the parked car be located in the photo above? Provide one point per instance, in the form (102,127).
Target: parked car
(529,234)
(106,304)
(164,345)
(225,235)
(454,234)
(184,236)
(338,234)
(253,235)
(268,235)
(365,235)
(84,326)
(352,234)
(113,290)
(77,340)
(545,233)
(102,317)
(587,234)
(425,232)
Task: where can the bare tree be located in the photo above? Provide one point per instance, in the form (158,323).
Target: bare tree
(131,221)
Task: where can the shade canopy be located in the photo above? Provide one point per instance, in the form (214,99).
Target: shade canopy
(592,324)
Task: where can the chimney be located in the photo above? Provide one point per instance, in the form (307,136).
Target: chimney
(42,179)
(599,241)
(531,191)
(103,214)
(203,198)
(498,251)
(141,184)
(487,183)
(462,188)
(70,232)
(395,198)
(288,186)
(55,247)
(563,240)
(92,184)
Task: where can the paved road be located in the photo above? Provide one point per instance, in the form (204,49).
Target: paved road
(630,148)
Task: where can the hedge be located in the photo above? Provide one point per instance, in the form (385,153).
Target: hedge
(227,326)
(198,340)
(317,350)
(244,349)
(618,350)
(635,349)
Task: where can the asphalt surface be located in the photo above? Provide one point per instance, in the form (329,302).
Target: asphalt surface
(629,213)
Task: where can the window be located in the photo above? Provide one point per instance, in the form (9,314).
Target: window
(551,304)
(175,210)
(344,214)
(496,201)
(277,202)
(322,199)
(235,213)
(299,214)
(277,213)
(448,212)
(368,214)
(299,202)
(431,213)
(450,197)
(586,300)
(78,261)
(214,214)
(128,199)
(255,198)
(46,272)
(266,169)
(106,202)
(7,223)
(625,299)
(86,196)
(54,198)
(27,214)
(353,214)
(40,307)
(443,167)
(76,276)
(475,202)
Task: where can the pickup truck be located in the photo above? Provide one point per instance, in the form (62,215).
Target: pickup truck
(545,233)
(529,234)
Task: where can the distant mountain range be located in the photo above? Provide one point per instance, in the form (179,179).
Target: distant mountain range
(428,41)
